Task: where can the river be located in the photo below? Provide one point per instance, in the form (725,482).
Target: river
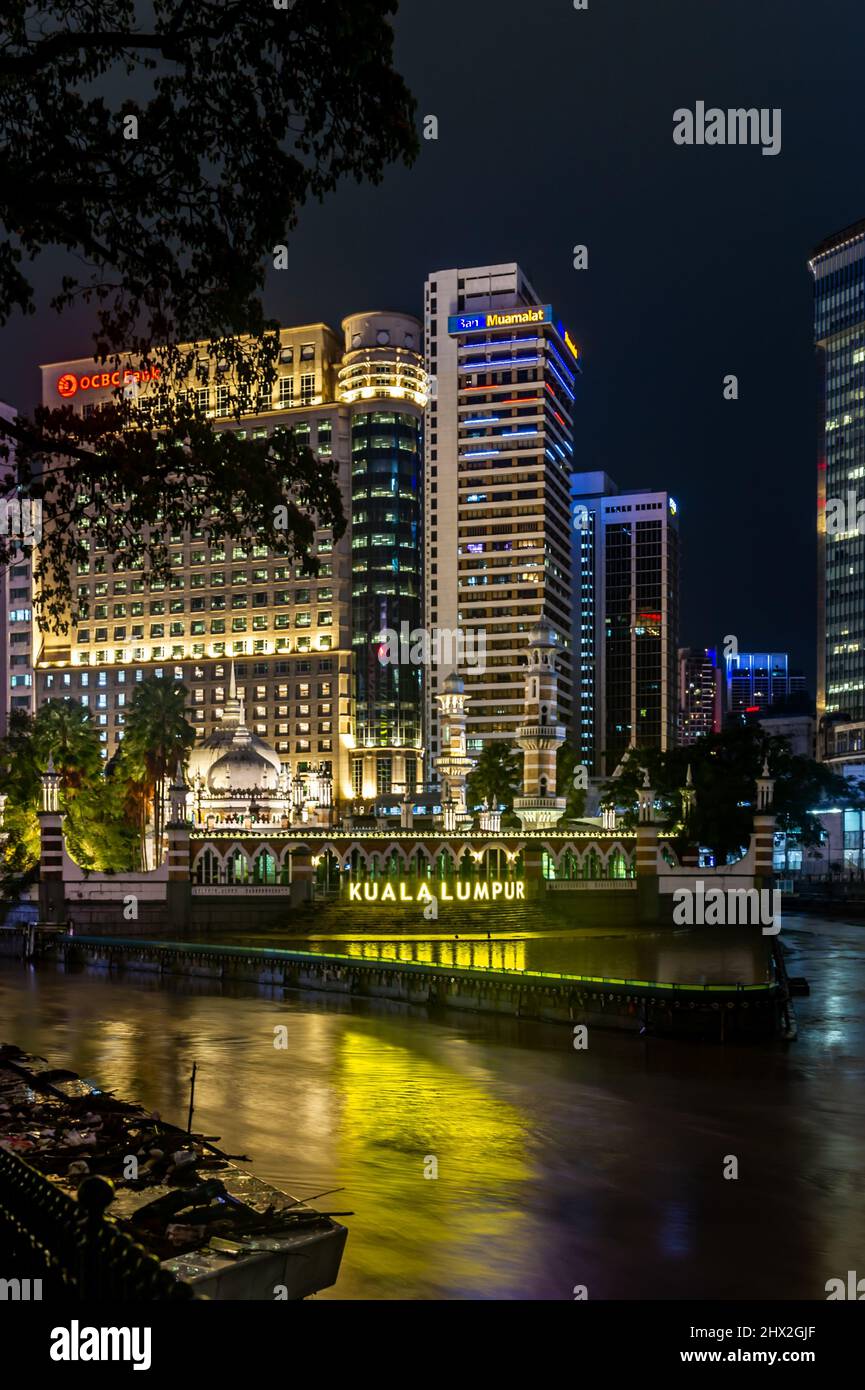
(555,1167)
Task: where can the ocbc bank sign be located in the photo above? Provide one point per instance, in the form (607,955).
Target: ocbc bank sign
(70,383)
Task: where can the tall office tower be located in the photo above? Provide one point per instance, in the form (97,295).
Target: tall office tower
(700,693)
(838,268)
(498,455)
(289,636)
(758,680)
(626,571)
(16,598)
(384,384)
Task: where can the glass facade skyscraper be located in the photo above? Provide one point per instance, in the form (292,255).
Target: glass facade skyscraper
(626,571)
(384,383)
(838,268)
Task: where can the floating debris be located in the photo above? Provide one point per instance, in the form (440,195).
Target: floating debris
(175,1192)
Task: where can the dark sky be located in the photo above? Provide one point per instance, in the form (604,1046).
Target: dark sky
(555,128)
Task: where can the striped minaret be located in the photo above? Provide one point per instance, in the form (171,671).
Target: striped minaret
(646,863)
(540,735)
(179,893)
(52,894)
(763,837)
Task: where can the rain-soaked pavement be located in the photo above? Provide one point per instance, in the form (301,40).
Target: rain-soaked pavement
(556,1167)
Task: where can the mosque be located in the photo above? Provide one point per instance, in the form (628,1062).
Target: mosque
(236,778)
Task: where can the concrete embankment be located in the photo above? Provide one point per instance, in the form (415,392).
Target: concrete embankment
(716,1011)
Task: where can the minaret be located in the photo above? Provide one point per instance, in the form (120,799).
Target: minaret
(233,711)
(540,736)
(453,764)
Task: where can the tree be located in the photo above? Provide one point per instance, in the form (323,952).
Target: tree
(495,778)
(157,736)
(568,763)
(166,157)
(725,768)
(95,827)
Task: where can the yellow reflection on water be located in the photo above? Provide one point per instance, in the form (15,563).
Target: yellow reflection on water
(474,955)
(399,1110)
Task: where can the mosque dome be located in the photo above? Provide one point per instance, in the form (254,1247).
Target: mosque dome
(232,757)
(242,768)
(542,634)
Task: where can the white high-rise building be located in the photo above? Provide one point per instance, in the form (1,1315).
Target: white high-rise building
(16,607)
(498,457)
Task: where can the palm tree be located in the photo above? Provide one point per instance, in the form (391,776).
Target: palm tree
(495,778)
(64,731)
(157,736)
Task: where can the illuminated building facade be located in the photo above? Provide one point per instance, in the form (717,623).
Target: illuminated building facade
(16,611)
(294,639)
(384,385)
(498,456)
(626,571)
(838,268)
(700,693)
(757,680)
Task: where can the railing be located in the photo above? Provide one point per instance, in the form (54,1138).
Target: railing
(68,1245)
(277,954)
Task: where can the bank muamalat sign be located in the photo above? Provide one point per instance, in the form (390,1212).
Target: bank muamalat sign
(70,383)
(491,890)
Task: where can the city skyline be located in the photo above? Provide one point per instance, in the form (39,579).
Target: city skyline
(691,275)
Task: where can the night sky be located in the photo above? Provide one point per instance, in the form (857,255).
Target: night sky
(555,128)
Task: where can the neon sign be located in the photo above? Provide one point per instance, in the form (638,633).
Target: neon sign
(504,318)
(489,891)
(69,384)
(570,344)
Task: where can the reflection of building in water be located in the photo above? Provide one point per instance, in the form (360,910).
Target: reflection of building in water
(477,955)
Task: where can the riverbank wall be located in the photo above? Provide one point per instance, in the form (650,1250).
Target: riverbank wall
(716,1012)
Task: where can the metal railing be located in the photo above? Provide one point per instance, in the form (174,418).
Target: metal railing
(69,1246)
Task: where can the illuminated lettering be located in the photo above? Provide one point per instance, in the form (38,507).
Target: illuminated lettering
(569,343)
(68,384)
(503,318)
(489,890)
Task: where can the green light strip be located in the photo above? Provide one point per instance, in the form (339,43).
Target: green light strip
(198,948)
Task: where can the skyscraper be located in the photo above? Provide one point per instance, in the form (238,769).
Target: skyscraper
(757,680)
(498,454)
(16,604)
(383,382)
(626,572)
(838,268)
(700,693)
(304,648)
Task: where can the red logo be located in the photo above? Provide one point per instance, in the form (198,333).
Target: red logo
(68,383)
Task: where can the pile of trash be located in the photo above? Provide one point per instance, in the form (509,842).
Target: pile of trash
(174,1191)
